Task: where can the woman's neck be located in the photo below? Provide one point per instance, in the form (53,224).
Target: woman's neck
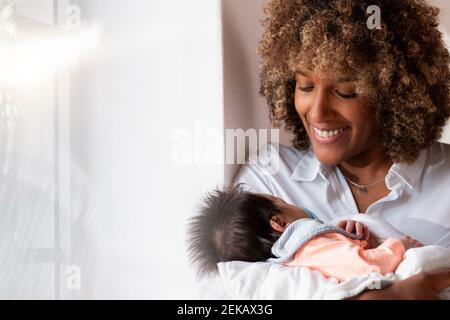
(367,167)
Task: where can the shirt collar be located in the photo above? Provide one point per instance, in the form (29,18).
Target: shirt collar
(309,167)
(409,173)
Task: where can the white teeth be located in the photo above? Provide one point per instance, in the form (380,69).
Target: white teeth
(328,134)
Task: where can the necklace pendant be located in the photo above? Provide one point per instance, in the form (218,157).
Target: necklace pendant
(362,191)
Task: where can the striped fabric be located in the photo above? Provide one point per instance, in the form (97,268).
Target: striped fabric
(300,232)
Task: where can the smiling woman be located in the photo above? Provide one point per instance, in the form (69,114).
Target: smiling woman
(334,116)
(402,74)
(366,107)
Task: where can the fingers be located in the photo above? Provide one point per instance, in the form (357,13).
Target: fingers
(417,243)
(439,280)
(414,243)
(342,224)
(350,226)
(366,233)
(359,229)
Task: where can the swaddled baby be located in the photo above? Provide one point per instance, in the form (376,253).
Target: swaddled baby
(239,225)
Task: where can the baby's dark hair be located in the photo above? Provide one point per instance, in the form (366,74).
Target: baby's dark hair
(232,224)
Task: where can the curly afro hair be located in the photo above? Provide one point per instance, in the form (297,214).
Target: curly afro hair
(402,68)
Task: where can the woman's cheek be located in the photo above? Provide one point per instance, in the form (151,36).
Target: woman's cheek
(300,108)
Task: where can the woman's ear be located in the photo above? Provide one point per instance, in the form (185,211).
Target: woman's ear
(279,222)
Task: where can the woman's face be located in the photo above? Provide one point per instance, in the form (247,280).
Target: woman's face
(339,125)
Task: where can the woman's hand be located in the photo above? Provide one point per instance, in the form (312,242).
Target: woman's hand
(423,286)
(409,242)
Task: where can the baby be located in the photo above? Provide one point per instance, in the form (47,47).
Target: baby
(239,225)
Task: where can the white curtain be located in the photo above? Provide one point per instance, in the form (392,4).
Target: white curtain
(111,149)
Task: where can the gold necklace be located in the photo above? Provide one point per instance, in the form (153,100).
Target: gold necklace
(362,189)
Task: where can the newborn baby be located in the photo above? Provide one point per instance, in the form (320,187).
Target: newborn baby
(238,225)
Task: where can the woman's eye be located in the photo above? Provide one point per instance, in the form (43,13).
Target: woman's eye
(346,95)
(306,89)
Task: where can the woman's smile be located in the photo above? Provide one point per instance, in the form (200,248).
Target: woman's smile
(338,128)
(329,135)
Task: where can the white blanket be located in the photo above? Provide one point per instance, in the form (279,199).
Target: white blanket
(271,281)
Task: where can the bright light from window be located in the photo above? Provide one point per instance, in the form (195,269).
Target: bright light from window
(27,61)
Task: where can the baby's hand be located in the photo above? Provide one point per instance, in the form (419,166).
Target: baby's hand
(358,228)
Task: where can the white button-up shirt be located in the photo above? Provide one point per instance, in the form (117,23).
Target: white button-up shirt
(418,203)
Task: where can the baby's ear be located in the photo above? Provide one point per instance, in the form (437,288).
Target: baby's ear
(279,223)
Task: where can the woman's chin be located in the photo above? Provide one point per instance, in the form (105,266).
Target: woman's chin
(328,157)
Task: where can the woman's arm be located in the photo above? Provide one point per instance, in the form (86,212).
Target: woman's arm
(423,286)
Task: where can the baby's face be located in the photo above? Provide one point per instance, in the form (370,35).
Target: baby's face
(289,211)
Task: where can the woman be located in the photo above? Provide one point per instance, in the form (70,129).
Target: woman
(366,106)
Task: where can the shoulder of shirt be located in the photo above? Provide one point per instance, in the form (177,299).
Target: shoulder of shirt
(438,154)
(288,156)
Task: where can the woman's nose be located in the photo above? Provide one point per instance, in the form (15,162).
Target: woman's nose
(320,108)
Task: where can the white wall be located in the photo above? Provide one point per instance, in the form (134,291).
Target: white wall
(244,107)
(445,27)
(157,70)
